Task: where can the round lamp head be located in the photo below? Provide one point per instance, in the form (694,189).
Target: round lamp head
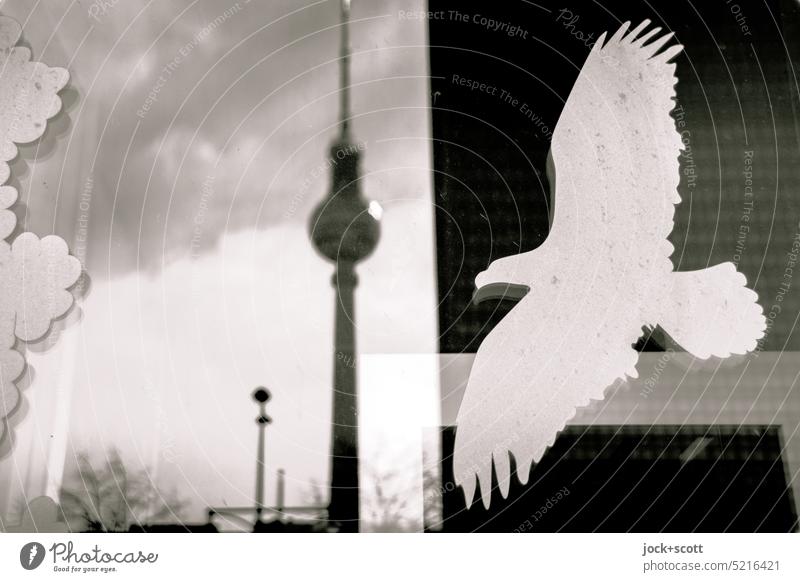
(261,395)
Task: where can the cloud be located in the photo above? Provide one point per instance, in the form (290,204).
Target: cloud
(259,93)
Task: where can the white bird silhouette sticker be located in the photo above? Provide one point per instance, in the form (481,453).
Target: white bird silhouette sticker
(602,274)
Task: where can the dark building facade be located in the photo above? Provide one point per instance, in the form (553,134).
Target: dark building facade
(501,73)
(639,479)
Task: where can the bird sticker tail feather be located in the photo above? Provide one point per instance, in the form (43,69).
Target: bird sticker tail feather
(710,312)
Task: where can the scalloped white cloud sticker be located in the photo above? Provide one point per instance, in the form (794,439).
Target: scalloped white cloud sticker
(35,275)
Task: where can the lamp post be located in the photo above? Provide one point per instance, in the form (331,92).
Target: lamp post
(262,396)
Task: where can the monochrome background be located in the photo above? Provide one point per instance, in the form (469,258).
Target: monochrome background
(194,144)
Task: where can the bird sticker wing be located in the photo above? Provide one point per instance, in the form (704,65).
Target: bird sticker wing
(615,146)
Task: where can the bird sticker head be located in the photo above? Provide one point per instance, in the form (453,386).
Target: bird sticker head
(503,279)
(604,270)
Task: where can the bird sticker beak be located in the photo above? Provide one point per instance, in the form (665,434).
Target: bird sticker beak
(496,290)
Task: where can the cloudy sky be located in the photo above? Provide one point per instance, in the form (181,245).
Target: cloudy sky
(182,172)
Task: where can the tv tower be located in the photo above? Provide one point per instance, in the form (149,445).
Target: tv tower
(344,232)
